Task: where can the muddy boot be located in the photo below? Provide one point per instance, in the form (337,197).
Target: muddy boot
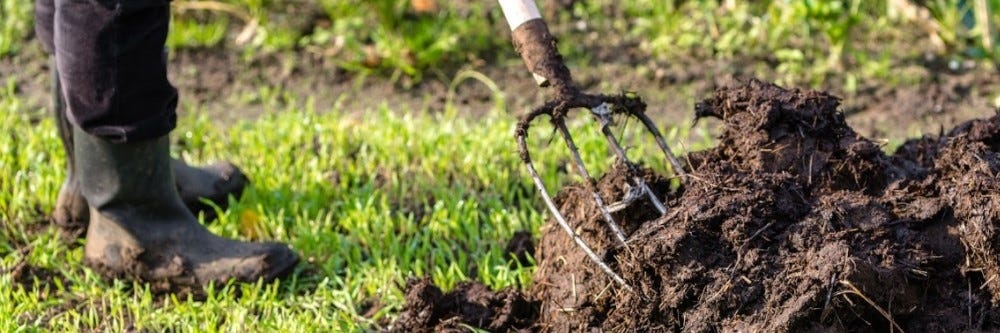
(215,182)
(140,228)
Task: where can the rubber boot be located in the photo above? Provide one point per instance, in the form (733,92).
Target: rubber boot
(141,230)
(215,182)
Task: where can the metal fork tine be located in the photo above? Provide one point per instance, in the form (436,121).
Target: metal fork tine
(522,133)
(652,197)
(660,141)
(603,115)
(591,182)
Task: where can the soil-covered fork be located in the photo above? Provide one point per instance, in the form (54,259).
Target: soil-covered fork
(537,48)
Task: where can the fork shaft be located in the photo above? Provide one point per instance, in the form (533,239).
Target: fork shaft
(537,46)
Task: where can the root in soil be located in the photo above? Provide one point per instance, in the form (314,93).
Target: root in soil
(794,222)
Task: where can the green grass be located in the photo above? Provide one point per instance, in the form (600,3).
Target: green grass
(367,200)
(388,38)
(17,23)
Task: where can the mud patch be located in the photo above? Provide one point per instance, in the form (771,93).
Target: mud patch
(470,303)
(23,273)
(519,248)
(31,277)
(794,222)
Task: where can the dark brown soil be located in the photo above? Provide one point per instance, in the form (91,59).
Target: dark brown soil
(32,277)
(519,248)
(793,223)
(470,303)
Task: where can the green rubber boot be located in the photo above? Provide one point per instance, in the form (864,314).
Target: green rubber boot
(140,228)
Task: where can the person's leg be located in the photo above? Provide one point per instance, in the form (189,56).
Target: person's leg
(71,211)
(112,71)
(112,68)
(214,182)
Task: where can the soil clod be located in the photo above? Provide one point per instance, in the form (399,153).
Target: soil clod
(470,303)
(519,248)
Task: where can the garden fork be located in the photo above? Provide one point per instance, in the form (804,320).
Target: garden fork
(537,48)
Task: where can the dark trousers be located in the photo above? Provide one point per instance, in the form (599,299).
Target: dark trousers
(112,65)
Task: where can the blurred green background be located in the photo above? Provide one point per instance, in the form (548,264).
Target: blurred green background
(806,41)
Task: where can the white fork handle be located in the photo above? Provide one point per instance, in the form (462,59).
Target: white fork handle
(519,11)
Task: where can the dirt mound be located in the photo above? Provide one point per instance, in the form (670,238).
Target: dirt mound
(793,222)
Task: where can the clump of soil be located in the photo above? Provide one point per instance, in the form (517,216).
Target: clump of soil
(519,248)
(470,303)
(32,277)
(794,222)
